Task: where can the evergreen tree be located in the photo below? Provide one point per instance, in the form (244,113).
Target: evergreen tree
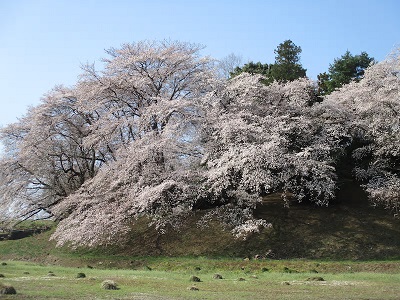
(255,68)
(323,83)
(342,71)
(287,65)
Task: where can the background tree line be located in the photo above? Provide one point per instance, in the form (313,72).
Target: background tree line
(287,67)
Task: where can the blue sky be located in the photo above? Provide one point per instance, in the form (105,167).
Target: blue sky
(44,42)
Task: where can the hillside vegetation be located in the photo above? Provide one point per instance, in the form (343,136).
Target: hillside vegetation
(349,229)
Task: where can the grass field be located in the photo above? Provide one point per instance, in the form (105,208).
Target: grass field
(355,249)
(169,278)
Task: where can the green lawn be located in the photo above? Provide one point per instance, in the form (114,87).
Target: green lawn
(169,278)
(355,251)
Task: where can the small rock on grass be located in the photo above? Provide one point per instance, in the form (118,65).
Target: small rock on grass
(217,276)
(193,288)
(315,279)
(109,285)
(287,270)
(7,290)
(80,275)
(195,279)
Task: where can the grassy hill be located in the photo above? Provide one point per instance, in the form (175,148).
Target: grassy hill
(349,229)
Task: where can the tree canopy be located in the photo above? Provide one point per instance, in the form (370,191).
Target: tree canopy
(374,106)
(64,141)
(286,68)
(343,70)
(158,133)
(287,65)
(228,64)
(253,68)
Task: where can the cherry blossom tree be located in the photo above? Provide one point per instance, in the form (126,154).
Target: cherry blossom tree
(148,101)
(138,79)
(220,153)
(158,134)
(374,104)
(64,141)
(264,139)
(45,159)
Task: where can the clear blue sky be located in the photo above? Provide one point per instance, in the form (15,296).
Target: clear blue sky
(44,42)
